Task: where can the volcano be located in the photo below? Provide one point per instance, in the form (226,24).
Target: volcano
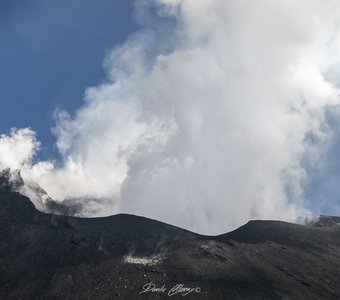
(52,256)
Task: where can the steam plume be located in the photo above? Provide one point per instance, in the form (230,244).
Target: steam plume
(204,128)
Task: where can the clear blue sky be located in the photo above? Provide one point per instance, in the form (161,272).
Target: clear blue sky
(50,51)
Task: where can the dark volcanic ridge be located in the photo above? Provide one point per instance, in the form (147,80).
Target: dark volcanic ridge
(50,256)
(77,207)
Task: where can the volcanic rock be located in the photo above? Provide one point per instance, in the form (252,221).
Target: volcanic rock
(50,256)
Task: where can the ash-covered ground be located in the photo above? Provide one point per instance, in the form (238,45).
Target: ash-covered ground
(50,256)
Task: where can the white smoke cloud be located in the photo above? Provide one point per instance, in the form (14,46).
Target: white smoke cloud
(18,149)
(205,128)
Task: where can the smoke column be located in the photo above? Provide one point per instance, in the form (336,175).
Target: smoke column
(206,119)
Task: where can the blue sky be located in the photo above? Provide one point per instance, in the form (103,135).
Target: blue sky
(50,52)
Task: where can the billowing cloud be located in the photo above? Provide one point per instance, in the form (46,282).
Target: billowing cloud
(205,126)
(18,149)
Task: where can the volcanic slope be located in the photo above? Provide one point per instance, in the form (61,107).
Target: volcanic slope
(49,256)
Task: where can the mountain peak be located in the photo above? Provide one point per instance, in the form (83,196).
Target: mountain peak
(10,180)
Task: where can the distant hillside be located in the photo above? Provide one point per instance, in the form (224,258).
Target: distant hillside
(48,256)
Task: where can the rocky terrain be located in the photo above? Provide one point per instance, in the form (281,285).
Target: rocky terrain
(50,256)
